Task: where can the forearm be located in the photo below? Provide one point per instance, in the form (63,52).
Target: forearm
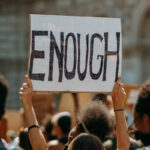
(122,131)
(36,137)
(30,116)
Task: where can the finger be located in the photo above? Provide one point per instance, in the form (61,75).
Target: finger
(120,86)
(116,86)
(24,85)
(125,94)
(21,89)
(20,93)
(121,90)
(119,80)
(28,81)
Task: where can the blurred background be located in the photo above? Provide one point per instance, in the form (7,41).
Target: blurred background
(14,35)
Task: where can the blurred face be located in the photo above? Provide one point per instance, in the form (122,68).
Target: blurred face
(142,123)
(56,131)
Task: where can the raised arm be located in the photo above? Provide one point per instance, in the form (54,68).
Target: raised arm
(118,96)
(36,137)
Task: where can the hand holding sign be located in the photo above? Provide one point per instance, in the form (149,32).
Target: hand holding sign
(118,95)
(26,93)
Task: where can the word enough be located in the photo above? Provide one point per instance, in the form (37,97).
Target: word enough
(61,54)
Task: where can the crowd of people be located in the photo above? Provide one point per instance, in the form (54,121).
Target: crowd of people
(96,128)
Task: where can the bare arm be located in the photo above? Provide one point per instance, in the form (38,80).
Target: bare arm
(118,95)
(36,137)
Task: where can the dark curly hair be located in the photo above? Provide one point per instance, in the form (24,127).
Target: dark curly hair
(143,102)
(97,119)
(3,95)
(86,141)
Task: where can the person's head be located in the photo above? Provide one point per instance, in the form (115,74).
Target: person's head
(3,95)
(86,141)
(95,119)
(61,124)
(47,127)
(102,97)
(142,114)
(142,109)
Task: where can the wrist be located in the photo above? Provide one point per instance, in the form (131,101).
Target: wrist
(118,106)
(33,126)
(118,109)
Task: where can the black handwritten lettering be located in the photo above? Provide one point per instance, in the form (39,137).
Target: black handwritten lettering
(118,48)
(53,45)
(62,52)
(71,74)
(36,54)
(110,53)
(95,76)
(83,75)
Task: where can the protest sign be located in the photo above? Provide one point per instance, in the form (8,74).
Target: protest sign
(74,53)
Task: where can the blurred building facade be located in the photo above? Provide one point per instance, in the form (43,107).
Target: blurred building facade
(135,16)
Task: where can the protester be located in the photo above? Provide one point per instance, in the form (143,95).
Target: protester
(95,119)
(118,96)
(61,126)
(142,115)
(53,142)
(35,135)
(111,142)
(86,141)
(47,127)
(96,115)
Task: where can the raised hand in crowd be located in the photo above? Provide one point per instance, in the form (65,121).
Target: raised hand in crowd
(118,96)
(36,137)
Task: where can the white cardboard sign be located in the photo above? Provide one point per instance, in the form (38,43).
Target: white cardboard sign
(80,54)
